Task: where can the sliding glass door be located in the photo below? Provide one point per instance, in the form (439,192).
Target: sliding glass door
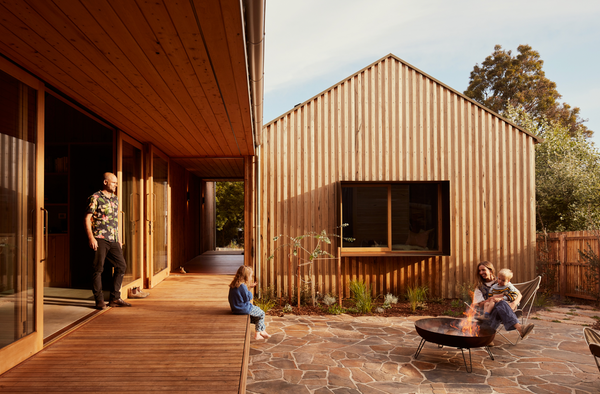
(21,216)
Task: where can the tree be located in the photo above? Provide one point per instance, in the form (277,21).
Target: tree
(567,171)
(230,212)
(504,79)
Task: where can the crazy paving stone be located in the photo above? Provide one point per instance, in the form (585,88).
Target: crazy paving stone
(276,387)
(312,367)
(323,390)
(336,380)
(391,368)
(268,374)
(314,375)
(566,356)
(324,359)
(292,375)
(314,382)
(423,366)
(411,371)
(501,382)
(366,389)
(577,347)
(471,388)
(530,380)
(283,364)
(352,363)
(395,387)
(303,358)
(453,377)
(359,376)
(505,372)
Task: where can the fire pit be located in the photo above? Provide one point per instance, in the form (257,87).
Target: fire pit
(459,333)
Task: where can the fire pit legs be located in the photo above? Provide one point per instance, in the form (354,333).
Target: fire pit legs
(468,367)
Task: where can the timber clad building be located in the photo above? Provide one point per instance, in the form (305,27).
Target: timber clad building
(168,96)
(429,182)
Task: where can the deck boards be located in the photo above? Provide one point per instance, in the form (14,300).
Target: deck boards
(181,338)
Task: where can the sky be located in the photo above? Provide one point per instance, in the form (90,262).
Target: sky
(311,45)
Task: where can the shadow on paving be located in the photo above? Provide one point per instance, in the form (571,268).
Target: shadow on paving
(345,354)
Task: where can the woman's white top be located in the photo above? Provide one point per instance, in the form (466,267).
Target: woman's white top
(478,296)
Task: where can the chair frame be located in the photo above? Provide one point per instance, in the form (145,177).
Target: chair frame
(523,310)
(594,347)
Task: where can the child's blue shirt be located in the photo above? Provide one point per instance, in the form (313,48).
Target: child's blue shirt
(239,300)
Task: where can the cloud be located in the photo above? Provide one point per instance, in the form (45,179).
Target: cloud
(311,45)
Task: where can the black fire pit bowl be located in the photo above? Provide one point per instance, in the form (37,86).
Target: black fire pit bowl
(444,332)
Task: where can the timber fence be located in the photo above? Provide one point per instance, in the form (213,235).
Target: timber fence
(564,271)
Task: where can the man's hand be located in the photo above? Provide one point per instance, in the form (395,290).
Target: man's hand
(94,244)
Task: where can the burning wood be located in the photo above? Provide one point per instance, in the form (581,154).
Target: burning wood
(468,326)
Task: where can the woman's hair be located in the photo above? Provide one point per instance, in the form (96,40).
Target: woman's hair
(243,275)
(489,266)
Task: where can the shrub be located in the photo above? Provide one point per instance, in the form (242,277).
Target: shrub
(335,309)
(456,303)
(361,294)
(266,300)
(417,296)
(329,300)
(287,308)
(389,300)
(465,291)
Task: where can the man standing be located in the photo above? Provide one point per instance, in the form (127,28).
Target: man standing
(102,226)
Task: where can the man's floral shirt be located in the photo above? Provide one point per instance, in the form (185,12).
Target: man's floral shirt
(105,216)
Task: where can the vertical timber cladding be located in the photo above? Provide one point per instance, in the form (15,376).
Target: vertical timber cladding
(392,122)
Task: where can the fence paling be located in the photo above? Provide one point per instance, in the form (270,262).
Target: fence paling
(561,252)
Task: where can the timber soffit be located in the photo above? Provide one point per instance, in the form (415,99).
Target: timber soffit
(160,72)
(392,56)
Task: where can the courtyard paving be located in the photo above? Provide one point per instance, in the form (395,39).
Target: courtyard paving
(372,354)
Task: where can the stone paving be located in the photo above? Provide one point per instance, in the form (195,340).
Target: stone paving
(371,354)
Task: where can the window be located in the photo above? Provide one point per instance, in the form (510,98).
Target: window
(399,217)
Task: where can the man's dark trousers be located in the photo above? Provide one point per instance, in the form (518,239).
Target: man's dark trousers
(112,252)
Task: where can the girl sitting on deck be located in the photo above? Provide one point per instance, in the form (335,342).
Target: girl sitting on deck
(240,300)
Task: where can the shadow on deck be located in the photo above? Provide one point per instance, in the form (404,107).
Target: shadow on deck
(182,337)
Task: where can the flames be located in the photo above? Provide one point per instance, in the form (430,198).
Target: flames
(468,326)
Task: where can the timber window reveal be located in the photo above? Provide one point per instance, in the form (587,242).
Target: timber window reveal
(396,217)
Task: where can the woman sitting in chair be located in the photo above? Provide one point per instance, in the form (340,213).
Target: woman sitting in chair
(503,312)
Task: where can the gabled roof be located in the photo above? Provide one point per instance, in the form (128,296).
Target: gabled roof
(394,57)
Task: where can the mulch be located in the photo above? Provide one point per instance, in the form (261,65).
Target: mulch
(402,308)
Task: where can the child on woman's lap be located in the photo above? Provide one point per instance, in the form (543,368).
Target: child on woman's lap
(240,300)
(503,290)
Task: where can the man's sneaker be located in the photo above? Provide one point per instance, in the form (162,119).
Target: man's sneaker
(136,292)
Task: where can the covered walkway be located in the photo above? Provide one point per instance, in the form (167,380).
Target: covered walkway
(181,338)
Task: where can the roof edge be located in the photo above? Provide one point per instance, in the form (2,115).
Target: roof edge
(391,55)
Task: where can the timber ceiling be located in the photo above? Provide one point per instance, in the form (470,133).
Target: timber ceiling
(170,73)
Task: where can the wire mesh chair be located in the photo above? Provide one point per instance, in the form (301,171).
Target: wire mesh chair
(528,292)
(592,338)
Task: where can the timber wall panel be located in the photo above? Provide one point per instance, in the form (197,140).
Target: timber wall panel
(391,122)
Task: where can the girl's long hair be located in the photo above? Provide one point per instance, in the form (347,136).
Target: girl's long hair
(243,275)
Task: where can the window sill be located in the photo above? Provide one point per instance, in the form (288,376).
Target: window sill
(351,253)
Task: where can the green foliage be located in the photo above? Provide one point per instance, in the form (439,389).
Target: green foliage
(505,80)
(465,291)
(361,294)
(287,308)
(542,300)
(229,198)
(456,304)
(417,296)
(592,275)
(267,299)
(335,309)
(301,247)
(567,173)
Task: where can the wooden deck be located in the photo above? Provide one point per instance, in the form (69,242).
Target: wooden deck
(181,338)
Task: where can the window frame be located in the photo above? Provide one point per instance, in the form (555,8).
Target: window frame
(442,228)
